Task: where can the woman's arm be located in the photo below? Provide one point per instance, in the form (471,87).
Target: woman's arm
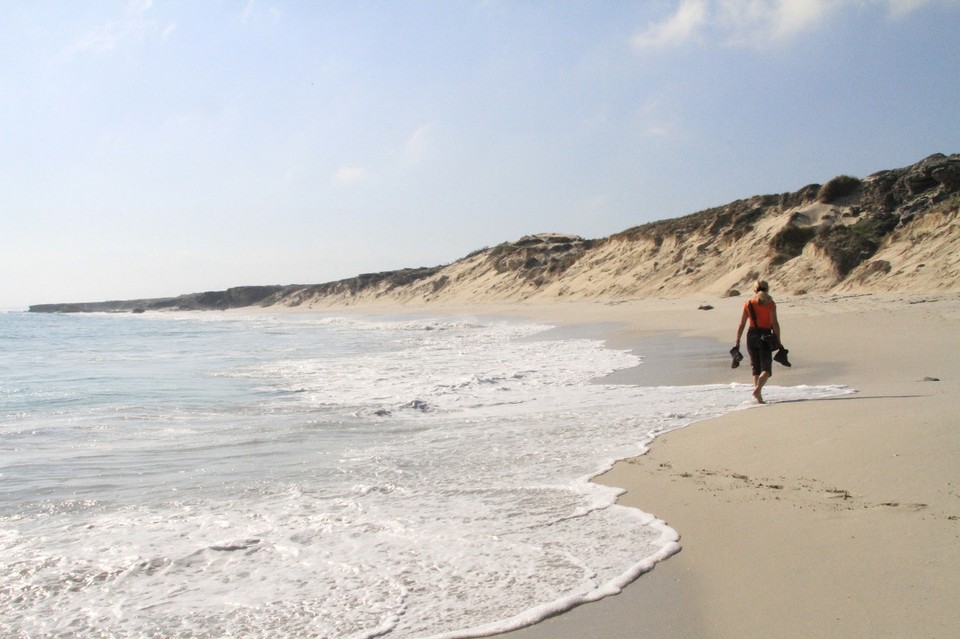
(774,323)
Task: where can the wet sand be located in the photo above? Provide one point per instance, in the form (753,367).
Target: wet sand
(829,518)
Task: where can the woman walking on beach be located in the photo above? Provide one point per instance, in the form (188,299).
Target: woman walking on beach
(761,311)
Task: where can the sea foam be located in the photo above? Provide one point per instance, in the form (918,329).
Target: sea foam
(319,476)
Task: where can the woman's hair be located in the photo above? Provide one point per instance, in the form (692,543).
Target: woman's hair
(762,290)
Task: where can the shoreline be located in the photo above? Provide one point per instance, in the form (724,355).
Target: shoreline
(826,518)
(823,518)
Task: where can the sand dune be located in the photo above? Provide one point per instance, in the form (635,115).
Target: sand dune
(895,230)
(892,231)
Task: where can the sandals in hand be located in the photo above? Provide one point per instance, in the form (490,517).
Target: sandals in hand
(781,356)
(737,357)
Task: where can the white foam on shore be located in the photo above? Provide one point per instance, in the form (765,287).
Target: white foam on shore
(326,477)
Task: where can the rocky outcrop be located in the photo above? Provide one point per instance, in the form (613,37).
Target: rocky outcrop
(893,230)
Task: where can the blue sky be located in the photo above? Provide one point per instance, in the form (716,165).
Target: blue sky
(166,147)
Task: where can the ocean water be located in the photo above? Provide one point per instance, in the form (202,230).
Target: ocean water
(225,475)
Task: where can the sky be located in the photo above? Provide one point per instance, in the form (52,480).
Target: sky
(153,148)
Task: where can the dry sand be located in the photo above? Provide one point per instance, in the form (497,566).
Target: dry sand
(830,518)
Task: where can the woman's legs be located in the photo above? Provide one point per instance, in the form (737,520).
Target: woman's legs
(758,382)
(761,361)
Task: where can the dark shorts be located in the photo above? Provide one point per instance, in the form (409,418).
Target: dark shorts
(761,357)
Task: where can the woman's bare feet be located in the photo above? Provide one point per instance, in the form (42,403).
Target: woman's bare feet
(758,383)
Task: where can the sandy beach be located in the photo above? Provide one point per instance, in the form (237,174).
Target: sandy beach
(830,518)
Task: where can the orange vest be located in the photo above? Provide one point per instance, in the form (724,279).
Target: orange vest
(763,313)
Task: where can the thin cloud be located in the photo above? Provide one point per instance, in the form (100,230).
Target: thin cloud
(767,22)
(138,6)
(349,175)
(251,10)
(795,16)
(659,130)
(102,38)
(247,10)
(901,8)
(679,28)
(418,143)
(596,203)
(653,120)
(753,23)
(112,34)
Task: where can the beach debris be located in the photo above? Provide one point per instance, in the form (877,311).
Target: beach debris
(418,404)
(705,307)
(931,379)
(911,506)
(839,493)
(239,545)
